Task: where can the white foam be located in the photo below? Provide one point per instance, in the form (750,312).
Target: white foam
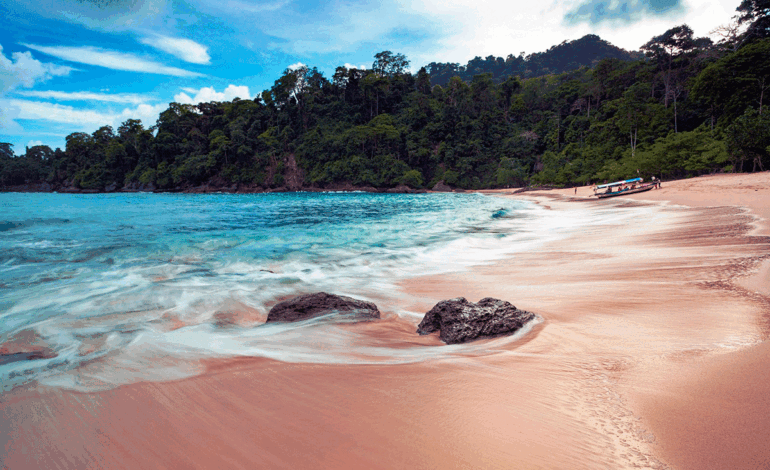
(129,301)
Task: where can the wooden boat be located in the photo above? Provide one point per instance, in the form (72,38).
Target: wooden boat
(621,188)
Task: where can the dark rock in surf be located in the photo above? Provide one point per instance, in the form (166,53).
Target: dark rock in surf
(459,321)
(309,306)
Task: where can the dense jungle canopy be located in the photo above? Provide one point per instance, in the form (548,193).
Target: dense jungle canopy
(581,112)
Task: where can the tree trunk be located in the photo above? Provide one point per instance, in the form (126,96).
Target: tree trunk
(668,80)
(676,128)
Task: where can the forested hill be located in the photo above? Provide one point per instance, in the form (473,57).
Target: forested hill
(569,55)
(688,107)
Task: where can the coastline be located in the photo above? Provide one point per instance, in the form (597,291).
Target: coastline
(642,324)
(214,189)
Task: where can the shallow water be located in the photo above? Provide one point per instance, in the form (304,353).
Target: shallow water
(128,287)
(637,300)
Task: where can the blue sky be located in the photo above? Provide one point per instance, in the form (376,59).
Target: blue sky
(75,65)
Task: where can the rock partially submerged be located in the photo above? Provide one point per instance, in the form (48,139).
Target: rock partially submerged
(459,320)
(25,345)
(309,306)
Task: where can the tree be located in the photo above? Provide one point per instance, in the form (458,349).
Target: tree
(755,14)
(6,150)
(735,82)
(749,139)
(665,48)
(730,34)
(423,81)
(373,86)
(387,64)
(510,86)
(412,178)
(632,113)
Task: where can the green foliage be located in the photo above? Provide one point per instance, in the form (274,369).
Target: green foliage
(749,138)
(735,82)
(412,178)
(450,177)
(550,118)
(193,170)
(510,173)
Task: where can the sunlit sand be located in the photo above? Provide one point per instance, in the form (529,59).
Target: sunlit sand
(651,354)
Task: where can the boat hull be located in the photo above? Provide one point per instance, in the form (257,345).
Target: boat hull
(641,189)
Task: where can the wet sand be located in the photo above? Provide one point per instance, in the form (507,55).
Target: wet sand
(651,355)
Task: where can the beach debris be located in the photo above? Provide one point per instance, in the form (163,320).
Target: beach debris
(24,346)
(309,306)
(458,320)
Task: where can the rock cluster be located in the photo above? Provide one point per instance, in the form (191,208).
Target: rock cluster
(309,306)
(459,320)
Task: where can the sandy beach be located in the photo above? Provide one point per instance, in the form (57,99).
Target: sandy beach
(652,353)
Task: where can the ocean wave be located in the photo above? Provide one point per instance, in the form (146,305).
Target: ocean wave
(150,300)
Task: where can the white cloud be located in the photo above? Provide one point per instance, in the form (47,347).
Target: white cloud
(185,49)
(86,120)
(208,94)
(458,30)
(86,96)
(106,15)
(23,70)
(342,26)
(111,59)
(469,28)
(42,111)
(354,66)
(8,114)
(254,7)
(296,66)
(34,143)
(147,113)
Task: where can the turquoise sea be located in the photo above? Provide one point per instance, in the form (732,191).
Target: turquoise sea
(127,287)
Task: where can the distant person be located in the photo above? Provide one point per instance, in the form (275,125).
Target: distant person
(575,190)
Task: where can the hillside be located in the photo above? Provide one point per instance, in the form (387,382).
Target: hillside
(567,56)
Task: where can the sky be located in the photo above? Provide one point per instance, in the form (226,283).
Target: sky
(76,65)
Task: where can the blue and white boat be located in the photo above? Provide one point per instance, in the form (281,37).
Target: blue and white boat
(621,188)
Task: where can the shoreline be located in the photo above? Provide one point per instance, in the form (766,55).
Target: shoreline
(711,409)
(221,189)
(640,325)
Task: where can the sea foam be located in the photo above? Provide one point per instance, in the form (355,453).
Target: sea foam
(128,287)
